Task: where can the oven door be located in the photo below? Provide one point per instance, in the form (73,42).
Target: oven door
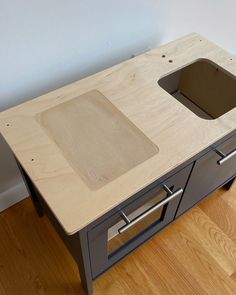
(132,225)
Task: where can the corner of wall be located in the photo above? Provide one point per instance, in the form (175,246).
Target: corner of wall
(13,195)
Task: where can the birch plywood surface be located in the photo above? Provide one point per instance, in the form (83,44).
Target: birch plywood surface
(132,88)
(99,142)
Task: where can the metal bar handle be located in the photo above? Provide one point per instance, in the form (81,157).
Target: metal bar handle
(225,157)
(129,223)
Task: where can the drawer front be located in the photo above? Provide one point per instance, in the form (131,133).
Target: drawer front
(210,172)
(133,224)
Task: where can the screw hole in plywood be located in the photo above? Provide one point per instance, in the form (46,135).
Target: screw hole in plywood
(7,124)
(170,60)
(32,160)
(163,55)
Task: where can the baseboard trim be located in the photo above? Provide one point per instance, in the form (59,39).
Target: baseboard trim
(12,196)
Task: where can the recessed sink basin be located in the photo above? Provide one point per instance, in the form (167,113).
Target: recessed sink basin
(203,87)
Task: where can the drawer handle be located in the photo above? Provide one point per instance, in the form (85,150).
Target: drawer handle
(225,157)
(129,223)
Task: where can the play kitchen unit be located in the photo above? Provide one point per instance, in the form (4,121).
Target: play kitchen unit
(116,157)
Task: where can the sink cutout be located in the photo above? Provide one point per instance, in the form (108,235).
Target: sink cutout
(205,88)
(98,141)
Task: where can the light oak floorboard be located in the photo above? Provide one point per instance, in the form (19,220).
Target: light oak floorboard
(195,255)
(221,213)
(212,239)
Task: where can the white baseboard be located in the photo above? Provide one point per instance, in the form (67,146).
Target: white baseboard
(12,196)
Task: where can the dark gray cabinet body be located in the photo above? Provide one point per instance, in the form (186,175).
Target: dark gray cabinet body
(197,177)
(208,175)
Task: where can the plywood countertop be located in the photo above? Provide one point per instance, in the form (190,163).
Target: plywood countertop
(155,132)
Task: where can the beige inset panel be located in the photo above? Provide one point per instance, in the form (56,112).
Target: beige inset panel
(98,141)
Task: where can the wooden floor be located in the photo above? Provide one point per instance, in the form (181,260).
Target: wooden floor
(195,255)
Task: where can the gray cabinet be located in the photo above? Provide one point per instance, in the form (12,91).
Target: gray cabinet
(211,171)
(120,231)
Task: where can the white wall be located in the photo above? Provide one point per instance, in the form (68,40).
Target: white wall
(12,188)
(214,19)
(49,43)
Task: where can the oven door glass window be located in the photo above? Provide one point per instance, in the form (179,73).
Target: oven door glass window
(117,240)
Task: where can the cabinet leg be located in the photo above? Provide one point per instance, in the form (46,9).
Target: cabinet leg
(229,184)
(33,192)
(78,243)
(83,263)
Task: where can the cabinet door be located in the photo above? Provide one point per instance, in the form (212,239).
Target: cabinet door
(136,222)
(210,172)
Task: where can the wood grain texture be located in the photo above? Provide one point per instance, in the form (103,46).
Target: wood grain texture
(222,214)
(192,256)
(132,88)
(98,141)
(215,241)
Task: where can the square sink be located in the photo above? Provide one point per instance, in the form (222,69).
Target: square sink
(203,87)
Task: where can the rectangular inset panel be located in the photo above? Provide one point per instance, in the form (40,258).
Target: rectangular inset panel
(98,141)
